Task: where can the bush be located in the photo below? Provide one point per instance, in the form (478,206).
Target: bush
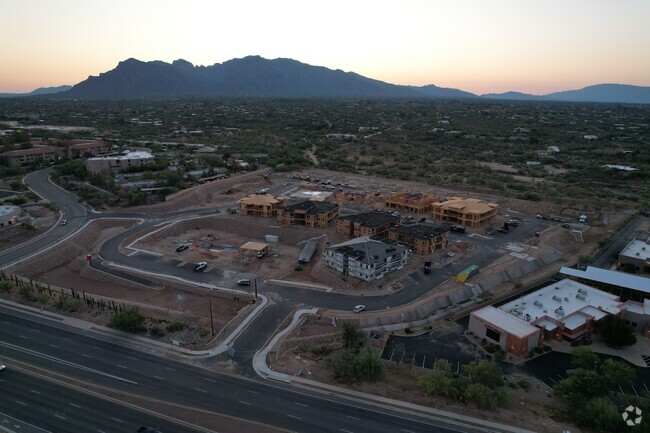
(6,286)
(408,331)
(525,384)
(157,332)
(68,303)
(130,320)
(175,326)
(547,348)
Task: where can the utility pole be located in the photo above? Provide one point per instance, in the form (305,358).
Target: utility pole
(211,318)
(255,289)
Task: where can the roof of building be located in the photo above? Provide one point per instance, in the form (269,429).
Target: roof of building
(255,246)
(466,205)
(140,154)
(410,196)
(311,195)
(419,231)
(371,219)
(312,207)
(614,278)
(9,209)
(368,251)
(87,144)
(505,322)
(637,249)
(33,151)
(259,200)
(561,300)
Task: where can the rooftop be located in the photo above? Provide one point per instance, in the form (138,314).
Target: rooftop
(259,200)
(140,154)
(467,205)
(559,301)
(371,219)
(311,195)
(8,209)
(368,251)
(419,231)
(637,249)
(311,207)
(614,278)
(505,321)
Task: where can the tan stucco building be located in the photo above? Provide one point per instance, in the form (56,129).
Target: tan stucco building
(468,212)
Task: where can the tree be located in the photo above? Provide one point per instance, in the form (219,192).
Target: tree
(580,385)
(352,337)
(440,381)
(130,320)
(368,366)
(487,373)
(617,373)
(601,416)
(341,364)
(485,397)
(584,357)
(615,332)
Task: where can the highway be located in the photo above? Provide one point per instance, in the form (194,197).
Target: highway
(92,359)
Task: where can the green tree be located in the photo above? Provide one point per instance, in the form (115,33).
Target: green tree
(352,337)
(615,332)
(581,385)
(617,373)
(486,372)
(130,320)
(584,357)
(341,364)
(440,381)
(600,416)
(485,397)
(368,366)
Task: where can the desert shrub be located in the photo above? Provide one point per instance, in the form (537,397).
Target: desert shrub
(157,332)
(175,326)
(130,320)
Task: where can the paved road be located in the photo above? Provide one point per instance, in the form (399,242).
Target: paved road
(84,356)
(605,257)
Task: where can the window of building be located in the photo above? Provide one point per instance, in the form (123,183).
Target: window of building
(492,334)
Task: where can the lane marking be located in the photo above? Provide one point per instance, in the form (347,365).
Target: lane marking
(158,377)
(36,330)
(209,380)
(345,431)
(86,356)
(34,391)
(301,404)
(201,390)
(133,358)
(54,345)
(169,368)
(352,417)
(254,392)
(121,366)
(292,416)
(22,336)
(75,405)
(117,419)
(20,402)
(56,415)
(243,402)
(98,348)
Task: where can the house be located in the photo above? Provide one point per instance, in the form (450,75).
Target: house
(409,201)
(365,224)
(420,238)
(469,212)
(22,157)
(565,309)
(366,259)
(636,257)
(109,164)
(260,205)
(309,213)
(77,148)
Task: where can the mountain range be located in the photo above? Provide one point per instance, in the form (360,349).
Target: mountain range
(36,92)
(257,77)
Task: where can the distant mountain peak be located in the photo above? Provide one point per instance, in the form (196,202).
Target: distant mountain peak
(182,63)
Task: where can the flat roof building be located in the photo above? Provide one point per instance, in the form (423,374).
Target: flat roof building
(109,164)
(636,257)
(468,212)
(624,285)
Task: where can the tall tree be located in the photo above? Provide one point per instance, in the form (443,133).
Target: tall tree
(584,357)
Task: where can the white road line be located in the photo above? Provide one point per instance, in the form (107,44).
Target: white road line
(301,404)
(34,391)
(158,377)
(22,336)
(345,431)
(117,419)
(201,390)
(352,417)
(101,431)
(98,348)
(56,415)
(169,368)
(75,405)
(292,416)
(209,380)
(86,356)
(65,338)
(131,357)
(121,366)
(243,402)
(36,330)
(20,402)
(251,391)
(54,345)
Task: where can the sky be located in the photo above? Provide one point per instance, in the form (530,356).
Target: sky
(481,46)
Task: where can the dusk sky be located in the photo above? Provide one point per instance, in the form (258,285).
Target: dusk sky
(479,46)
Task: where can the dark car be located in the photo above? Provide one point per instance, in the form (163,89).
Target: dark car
(181,248)
(144,429)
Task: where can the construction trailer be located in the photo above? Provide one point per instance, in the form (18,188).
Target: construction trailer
(466,274)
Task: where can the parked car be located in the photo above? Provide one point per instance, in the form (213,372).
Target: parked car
(182,248)
(261,254)
(200,266)
(243,282)
(64,222)
(359,308)
(502,230)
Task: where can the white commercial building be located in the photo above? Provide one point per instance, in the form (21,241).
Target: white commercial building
(110,164)
(366,259)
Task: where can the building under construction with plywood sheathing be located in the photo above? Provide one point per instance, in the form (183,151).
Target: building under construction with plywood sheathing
(412,202)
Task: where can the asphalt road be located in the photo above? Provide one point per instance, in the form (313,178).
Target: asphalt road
(97,360)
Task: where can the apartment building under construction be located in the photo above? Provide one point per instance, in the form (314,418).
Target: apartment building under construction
(411,202)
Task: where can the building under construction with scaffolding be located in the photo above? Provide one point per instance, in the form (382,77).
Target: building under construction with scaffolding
(411,202)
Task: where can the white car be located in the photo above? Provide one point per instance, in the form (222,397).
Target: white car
(200,266)
(2,366)
(359,308)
